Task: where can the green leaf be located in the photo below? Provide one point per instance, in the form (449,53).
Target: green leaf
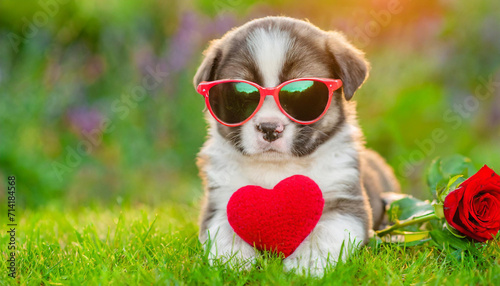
(417,242)
(407,238)
(452,184)
(442,169)
(410,236)
(438,209)
(434,175)
(444,239)
(407,207)
(457,165)
(453,180)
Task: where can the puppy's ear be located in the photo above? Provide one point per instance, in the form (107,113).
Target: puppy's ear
(207,69)
(348,63)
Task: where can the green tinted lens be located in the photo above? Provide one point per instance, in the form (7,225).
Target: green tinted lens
(304,100)
(233,102)
(298,86)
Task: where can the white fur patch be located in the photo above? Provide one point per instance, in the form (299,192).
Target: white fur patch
(269,48)
(334,238)
(224,244)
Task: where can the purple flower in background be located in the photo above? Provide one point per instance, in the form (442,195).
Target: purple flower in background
(182,44)
(144,58)
(186,41)
(222,24)
(84,119)
(489,31)
(494,118)
(193,32)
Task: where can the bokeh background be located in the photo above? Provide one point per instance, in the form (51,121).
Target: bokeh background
(97,103)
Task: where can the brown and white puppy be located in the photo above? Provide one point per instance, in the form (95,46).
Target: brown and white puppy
(269,51)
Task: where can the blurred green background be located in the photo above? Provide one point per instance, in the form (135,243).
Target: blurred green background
(97,104)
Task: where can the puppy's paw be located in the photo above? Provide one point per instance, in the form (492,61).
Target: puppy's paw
(310,262)
(236,253)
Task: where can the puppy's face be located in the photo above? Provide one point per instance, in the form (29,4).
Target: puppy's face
(270,51)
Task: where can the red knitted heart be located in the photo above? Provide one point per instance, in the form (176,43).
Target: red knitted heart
(278,219)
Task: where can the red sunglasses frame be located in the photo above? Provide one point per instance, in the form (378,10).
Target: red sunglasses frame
(205,86)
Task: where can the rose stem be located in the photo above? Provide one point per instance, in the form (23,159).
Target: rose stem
(400,224)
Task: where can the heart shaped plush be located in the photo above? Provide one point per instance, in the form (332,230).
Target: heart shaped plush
(278,219)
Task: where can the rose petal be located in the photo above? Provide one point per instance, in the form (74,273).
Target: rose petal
(483,236)
(470,227)
(492,217)
(468,221)
(493,185)
(450,204)
(482,205)
(479,203)
(450,207)
(485,173)
(494,206)
(483,211)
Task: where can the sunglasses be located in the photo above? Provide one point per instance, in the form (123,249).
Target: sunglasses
(232,102)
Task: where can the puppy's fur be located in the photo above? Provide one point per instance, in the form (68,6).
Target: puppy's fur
(269,51)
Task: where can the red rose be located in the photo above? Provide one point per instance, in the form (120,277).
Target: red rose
(474,208)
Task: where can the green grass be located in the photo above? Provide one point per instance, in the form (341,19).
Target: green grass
(138,245)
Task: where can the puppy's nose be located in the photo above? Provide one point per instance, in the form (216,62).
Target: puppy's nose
(271,130)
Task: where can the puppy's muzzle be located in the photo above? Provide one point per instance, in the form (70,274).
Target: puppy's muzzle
(271,130)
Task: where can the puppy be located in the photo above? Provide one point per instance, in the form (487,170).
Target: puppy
(270,146)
